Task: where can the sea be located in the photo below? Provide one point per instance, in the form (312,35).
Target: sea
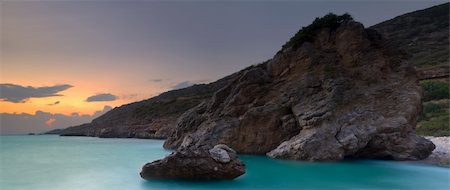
(51,162)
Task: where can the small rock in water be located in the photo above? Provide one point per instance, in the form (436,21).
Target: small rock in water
(196,163)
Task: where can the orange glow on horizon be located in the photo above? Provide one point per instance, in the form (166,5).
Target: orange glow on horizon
(44,71)
(71,100)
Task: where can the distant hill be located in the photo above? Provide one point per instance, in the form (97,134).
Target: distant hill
(151,118)
(423,34)
(53,132)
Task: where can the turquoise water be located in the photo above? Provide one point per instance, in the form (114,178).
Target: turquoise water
(64,163)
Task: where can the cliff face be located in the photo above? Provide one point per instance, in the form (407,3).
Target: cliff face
(152,118)
(335,90)
(423,34)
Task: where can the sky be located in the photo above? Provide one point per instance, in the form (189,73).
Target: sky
(65,62)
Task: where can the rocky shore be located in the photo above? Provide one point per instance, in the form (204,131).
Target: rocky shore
(441,155)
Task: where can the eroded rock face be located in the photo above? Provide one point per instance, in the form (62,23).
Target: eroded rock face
(346,94)
(196,163)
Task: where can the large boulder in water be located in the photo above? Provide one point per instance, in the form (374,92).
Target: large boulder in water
(219,162)
(338,91)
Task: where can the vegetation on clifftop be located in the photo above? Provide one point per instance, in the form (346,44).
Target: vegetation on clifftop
(435,118)
(435,90)
(306,34)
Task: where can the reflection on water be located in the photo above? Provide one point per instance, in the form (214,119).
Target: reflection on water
(52,162)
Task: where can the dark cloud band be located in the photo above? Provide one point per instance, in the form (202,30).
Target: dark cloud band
(101,98)
(54,103)
(17,93)
(156,80)
(182,85)
(41,121)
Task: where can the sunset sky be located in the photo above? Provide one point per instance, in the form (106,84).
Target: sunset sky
(65,61)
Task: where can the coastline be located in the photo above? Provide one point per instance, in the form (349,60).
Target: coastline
(439,157)
(441,154)
(104,164)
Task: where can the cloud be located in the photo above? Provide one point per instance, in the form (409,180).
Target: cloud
(54,103)
(18,94)
(185,84)
(50,122)
(99,113)
(182,85)
(203,81)
(101,98)
(43,121)
(128,96)
(156,80)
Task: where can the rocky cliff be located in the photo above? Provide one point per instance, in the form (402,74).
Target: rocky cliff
(335,90)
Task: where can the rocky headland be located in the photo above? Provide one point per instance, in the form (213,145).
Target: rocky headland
(335,90)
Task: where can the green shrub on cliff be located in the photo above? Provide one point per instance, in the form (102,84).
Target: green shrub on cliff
(307,33)
(435,119)
(435,90)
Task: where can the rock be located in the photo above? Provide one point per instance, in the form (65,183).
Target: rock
(225,147)
(219,155)
(196,163)
(343,93)
(440,155)
(442,72)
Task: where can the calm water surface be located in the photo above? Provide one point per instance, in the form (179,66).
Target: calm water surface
(51,162)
